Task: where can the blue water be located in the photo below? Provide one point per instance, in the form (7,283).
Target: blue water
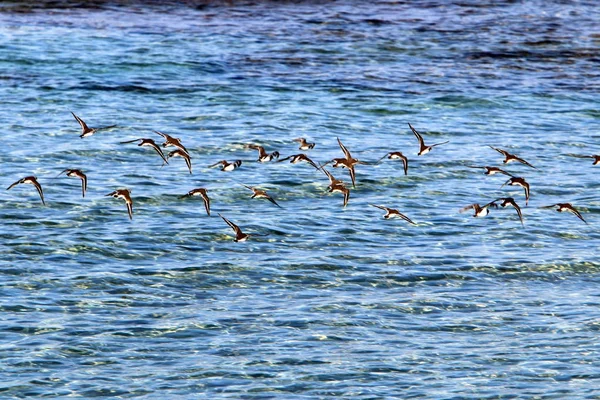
(333,302)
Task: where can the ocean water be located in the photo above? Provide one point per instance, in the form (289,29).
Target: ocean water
(332,302)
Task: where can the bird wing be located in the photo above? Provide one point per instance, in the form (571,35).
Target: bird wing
(418,135)
(344,149)
(83,125)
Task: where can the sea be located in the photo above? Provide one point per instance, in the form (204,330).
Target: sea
(322,301)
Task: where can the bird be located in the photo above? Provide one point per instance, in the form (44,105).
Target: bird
(77,173)
(263,156)
(347,162)
(517,181)
(508,157)
(479,211)
(332,180)
(509,201)
(595,157)
(32,180)
(296,158)
(304,145)
(260,194)
(392,212)
(566,207)
(423,149)
(396,155)
(123,194)
(86,130)
(148,143)
(202,193)
(491,170)
(184,155)
(227,166)
(239,235)
(340,188)
(172,141)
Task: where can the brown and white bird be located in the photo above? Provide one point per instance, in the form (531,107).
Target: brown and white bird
(172,141)
(263,156)
(595,157)
(491,170)
(517,181)
(77,173)
(566,207)
(124,194)
(31,180)
(184,155)
(296,158)
(340,188)
(239,235)
(396,155)
(508,157)
(304,145)
(509,201)
(479,211)
(143,142)
(347,162)
(86,130)
(202,193)
(423,149)
(392,212)
(260,194)
(227,166)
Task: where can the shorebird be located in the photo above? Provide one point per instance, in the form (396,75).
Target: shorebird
(124,194)
(304,145)
(392,212)
(340,188)
(347,162)
(32,180)
(260,194)
(509,201)
(148,143)
(336,186)
(227,166)
(184,155)
(263,156)
(86,130)
(423,149)
(491,170)
(397,155)
(77,173)
(172,141)
(595,157)
(479,211)
(296,158)
(239,235)
(516,181)
(562,207)
(511,157)
(332,180)
(202,193)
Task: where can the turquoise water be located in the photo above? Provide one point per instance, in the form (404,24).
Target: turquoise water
(333,302)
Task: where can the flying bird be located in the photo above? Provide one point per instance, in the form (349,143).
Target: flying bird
(392,212)
(148,143)
(86,130)
(508,157)
(566,207)
(423,149)
(31,180)
(77,173)
(124,194)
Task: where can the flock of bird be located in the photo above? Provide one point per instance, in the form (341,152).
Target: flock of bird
(335,185)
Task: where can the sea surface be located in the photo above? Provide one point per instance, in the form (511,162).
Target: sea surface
(329,301)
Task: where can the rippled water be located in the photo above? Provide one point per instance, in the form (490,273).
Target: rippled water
(333,301)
